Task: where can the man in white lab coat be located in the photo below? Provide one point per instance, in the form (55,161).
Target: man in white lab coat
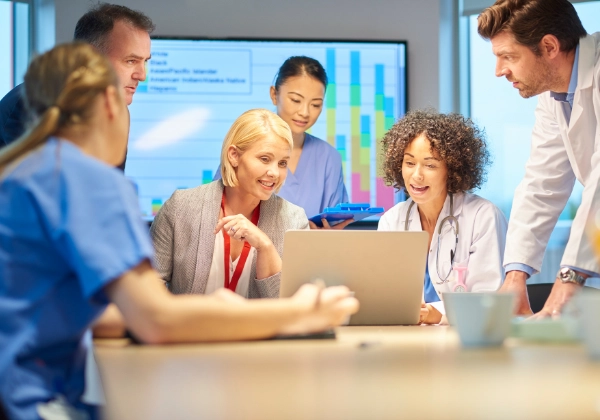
(543,49)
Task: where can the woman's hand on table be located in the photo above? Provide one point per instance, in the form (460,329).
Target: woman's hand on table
(238,227)
(110,324)
(429,315)
(327,226)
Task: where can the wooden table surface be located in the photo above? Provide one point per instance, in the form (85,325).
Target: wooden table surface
(367,373)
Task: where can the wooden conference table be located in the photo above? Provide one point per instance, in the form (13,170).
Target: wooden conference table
(367,373)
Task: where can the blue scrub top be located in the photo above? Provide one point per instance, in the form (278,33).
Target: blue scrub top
(429,292)
(318,181)
(69,225)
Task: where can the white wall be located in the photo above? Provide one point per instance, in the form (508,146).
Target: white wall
(415,21)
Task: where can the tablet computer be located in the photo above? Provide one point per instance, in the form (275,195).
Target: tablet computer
(345,211)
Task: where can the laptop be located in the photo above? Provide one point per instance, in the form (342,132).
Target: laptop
(385,270)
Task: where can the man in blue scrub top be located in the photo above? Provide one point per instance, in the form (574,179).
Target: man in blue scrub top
(543,49)
(120,33)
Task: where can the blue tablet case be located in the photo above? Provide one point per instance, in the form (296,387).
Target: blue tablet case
(345,211)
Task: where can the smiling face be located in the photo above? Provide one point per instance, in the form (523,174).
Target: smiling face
(262,168)
(299,102)
(529,73)
(425,174)
(128,49)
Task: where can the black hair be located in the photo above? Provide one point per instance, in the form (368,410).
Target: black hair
(298,66)
(98,22)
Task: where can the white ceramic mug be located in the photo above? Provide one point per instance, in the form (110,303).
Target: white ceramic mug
(482,319)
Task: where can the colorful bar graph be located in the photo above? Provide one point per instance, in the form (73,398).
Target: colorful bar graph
(207,176)
(384,119)
(365,143)
(360,136)
(360,149)
(389,113)
(156,205)
(384,194)
(379,102)
(331,97)
(340,145)
(358,195)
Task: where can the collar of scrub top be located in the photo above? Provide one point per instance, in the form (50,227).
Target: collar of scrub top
(448,219)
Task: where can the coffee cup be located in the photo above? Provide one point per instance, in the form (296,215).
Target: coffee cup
(481,319)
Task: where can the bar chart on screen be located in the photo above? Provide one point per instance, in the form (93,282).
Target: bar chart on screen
(195,89)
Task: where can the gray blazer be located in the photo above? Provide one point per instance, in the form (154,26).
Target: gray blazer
(187,221)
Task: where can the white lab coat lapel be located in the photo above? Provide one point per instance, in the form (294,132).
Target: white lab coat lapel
(414,221)
(582,126)
(458,205)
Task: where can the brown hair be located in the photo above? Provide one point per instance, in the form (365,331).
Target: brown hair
(98,22)
(530,20)
(60,88)
(460,144)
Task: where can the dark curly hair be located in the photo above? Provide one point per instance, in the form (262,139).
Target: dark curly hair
(460,144)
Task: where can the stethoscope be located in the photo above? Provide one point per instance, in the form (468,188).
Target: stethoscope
(453,222)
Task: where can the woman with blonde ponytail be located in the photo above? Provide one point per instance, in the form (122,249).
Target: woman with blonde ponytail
(72,240)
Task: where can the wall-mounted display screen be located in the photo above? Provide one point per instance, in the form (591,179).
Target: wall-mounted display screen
(196,88)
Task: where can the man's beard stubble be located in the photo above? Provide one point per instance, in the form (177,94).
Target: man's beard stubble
(542,79)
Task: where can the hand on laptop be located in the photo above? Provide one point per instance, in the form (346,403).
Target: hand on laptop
(321,308)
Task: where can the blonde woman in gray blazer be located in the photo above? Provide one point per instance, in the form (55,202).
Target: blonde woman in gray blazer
(188,228)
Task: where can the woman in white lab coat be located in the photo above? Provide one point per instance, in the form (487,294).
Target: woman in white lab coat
(438,159)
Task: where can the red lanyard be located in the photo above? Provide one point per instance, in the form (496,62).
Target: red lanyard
(243,256)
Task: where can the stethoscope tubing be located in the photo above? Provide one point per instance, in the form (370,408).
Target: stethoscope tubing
(450,219)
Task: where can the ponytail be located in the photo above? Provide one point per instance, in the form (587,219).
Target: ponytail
(60,89)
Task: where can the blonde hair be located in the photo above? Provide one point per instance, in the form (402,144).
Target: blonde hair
(60,89)
(248,128)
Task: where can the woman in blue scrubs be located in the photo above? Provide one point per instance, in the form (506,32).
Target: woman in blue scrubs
(315,179)
(72,240)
